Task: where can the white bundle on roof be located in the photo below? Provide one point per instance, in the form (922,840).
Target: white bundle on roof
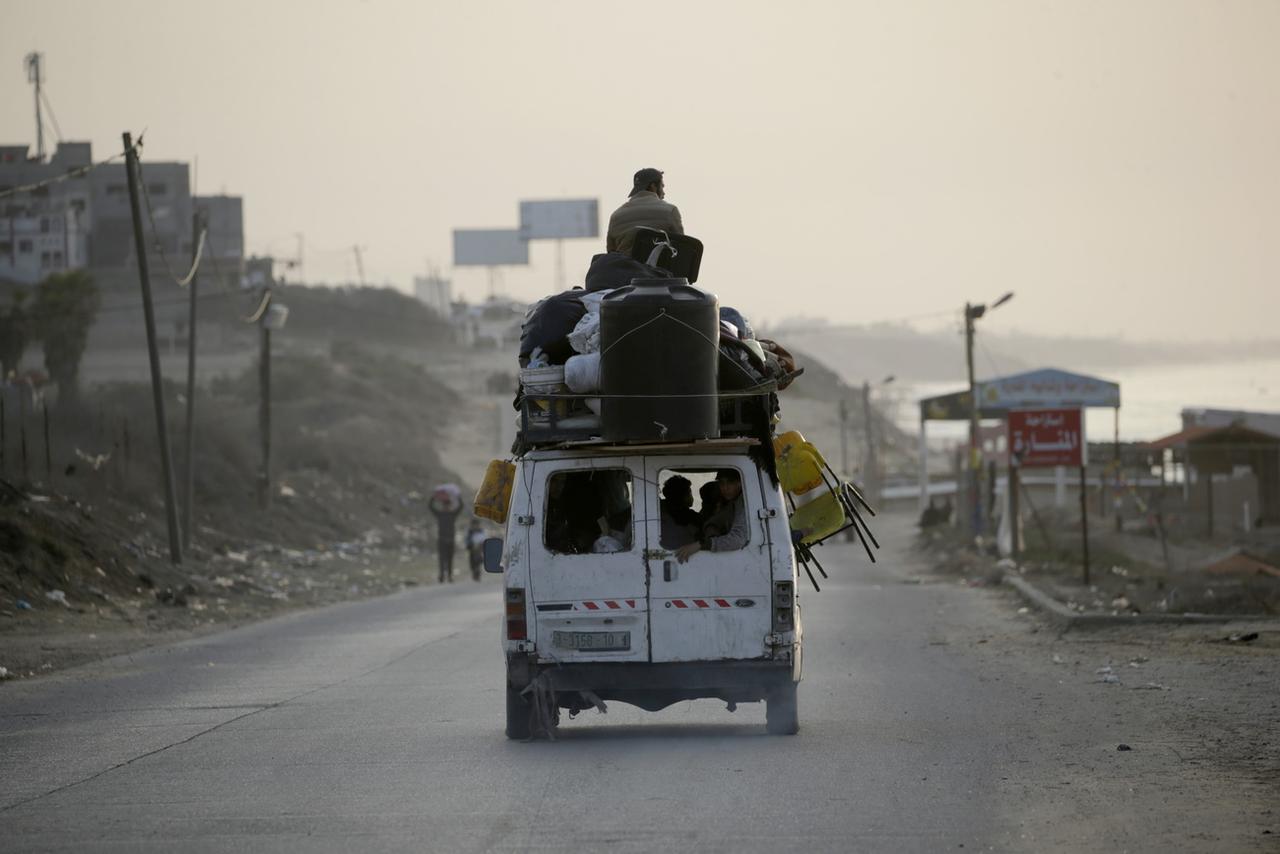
(585,337)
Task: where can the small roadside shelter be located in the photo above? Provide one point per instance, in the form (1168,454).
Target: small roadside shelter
(1047,388)
(1221,450)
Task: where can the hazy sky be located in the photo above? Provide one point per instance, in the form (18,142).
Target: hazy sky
(1115,163)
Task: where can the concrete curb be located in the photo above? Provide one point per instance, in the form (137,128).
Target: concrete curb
(1072,619)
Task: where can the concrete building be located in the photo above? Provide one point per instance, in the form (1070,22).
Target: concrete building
(86,220)
(224,245)
(46,230)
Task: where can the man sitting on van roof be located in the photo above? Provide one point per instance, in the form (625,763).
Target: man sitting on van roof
(646,207)
(726,530)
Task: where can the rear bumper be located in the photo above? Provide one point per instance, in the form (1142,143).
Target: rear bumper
(654,686)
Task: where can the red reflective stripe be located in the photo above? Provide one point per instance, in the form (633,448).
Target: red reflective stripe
(679,603)
(614,605)
(631,603)
(591,606)
(701,603)
(722,603)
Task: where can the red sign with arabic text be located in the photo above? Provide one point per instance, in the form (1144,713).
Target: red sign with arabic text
(1047,437)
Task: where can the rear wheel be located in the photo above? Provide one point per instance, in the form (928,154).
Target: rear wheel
(519,715)
(782,715)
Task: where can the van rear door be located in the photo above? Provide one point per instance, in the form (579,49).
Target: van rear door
(717,605)
(587,585)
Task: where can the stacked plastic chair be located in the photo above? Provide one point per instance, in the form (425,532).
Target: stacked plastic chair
(801,470)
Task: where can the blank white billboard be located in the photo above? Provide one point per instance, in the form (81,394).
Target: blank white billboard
(559,218)
(488,247)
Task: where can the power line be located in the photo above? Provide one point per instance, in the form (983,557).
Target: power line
(159,246)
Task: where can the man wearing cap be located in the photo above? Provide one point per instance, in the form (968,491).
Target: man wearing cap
(646,208)
(726,530)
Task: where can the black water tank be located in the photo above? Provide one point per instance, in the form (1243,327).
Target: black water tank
(659,350)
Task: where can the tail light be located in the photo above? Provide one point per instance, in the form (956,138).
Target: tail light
(517,627)
(784,601)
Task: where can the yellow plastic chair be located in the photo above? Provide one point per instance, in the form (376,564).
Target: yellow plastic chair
(799,463)
(819,519)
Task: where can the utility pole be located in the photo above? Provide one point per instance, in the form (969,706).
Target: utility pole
(189,470)
(872,474)
(359,264)
(974,500)
(272,318)
(149,317)
(264,407)
(36,77)
(972,313)
(844,437)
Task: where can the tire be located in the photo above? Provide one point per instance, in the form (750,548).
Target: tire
(519,716)
(782,714)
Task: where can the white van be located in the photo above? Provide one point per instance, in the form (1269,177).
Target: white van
(598,607)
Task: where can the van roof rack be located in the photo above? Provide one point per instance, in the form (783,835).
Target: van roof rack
(603,447)
(554,428)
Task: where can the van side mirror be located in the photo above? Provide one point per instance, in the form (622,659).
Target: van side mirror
(493,554)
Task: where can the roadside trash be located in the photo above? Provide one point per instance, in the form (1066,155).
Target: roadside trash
(1120,603)
(1123,747)
(57,596)
(4,673)
(1057,659)
(1241,638)
(1024,610)
(1108,676)
(23,605)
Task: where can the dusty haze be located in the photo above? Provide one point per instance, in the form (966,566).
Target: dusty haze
(1114,163)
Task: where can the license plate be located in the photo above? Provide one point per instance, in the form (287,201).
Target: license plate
(592,641)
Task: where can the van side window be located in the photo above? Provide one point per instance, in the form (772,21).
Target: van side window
(589,512)
(703,505)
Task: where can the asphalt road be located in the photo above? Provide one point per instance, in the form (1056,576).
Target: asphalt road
(931,719)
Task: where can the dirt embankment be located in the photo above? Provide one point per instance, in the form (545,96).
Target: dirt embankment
(84,568)
(1130,572)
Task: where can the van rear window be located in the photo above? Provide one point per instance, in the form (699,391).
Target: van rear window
(589,512)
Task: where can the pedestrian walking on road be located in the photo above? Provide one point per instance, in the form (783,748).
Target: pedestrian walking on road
(475,547)
(445,505)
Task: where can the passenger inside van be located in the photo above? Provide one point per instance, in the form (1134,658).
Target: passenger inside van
(709,494)
(680,524)
(726,530)
(589,512)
